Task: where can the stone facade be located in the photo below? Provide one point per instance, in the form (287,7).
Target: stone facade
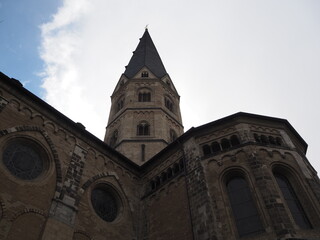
(58,181)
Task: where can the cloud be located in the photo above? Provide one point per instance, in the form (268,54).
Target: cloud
(69,68)
(222,57)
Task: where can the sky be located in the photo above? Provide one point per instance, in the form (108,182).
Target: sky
(224,56)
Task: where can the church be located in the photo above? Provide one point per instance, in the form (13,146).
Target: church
(244,176)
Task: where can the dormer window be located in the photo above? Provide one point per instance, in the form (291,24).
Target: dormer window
(144,74)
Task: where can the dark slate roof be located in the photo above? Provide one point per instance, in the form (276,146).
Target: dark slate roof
(145,55)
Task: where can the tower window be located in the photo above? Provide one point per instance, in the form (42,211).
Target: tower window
(143,129)
(144,97)
(168,103)
(120,104)
(144,74)
(293,202)
(243,207)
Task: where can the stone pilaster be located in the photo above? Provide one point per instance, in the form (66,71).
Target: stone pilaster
(201,205)
(281,222)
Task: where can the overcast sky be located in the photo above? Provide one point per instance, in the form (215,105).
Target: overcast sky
(260,57)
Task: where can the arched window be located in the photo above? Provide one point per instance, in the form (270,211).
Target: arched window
(278,141)
(120,104)
(264,139)
(272,140)
(143,129)
(234,140)
(114,138)
(256,137)
(206,150)
(173,135)
(225,144)
(144,96)
(292,201)
(168,103)
(243,207)
(164,177)
(176,168)
(215,147)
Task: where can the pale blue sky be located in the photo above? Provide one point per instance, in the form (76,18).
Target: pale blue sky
(228,56)
(21,38)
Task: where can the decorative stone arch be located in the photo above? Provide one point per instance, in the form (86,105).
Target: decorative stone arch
(27,224)
(25,211)
(101,178)
(53,150)
(81,235)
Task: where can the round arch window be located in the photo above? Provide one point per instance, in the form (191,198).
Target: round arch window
(24,159)
(105,203)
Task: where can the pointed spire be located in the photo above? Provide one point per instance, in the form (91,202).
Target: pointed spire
(145,55)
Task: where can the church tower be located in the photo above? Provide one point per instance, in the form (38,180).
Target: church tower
(145,113)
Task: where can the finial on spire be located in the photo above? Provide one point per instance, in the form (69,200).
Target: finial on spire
(147,27)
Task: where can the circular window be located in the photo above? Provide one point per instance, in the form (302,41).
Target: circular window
(105,203)
(23,159)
